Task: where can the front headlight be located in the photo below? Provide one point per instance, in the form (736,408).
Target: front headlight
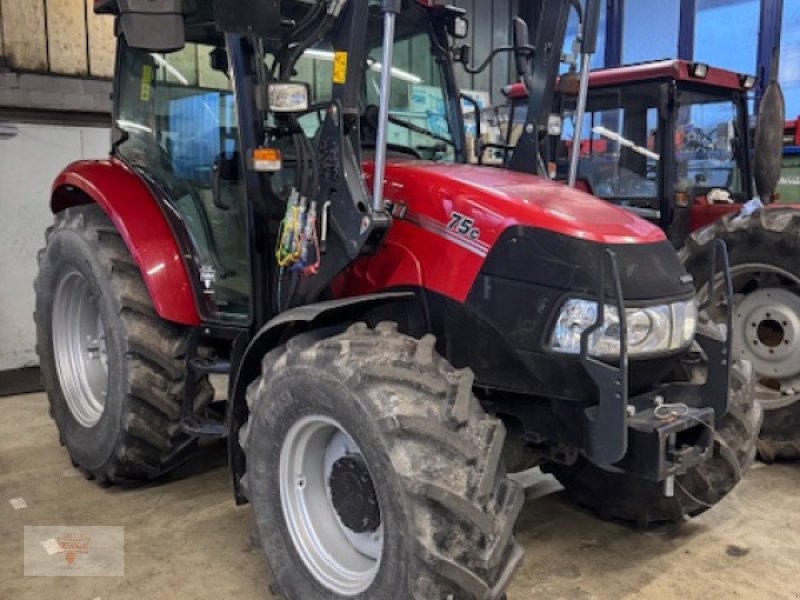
(650,330)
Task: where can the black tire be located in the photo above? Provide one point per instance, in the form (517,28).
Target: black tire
(618,495)
(769,237)
(447,507)
(137,437)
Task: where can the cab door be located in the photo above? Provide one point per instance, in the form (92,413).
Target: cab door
(176,115)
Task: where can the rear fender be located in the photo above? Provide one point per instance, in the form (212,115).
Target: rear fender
(140,221)
(280,329)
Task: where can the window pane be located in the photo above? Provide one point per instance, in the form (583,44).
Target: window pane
(598,60)
(618,155)
(650,30)
(417,101)
(704,146)
(790,57)
(180,120)
(726,34)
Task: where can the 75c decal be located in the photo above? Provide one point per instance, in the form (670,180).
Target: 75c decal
(464,225)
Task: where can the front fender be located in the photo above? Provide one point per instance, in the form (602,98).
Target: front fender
(273,334)
(139,219)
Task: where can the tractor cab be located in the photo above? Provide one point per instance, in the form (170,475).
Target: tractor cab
(179,123)
(667,140)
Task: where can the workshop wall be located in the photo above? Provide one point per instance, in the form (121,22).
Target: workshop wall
(56,36)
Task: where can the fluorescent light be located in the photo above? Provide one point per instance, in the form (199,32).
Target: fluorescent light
(396,73)
(162,62)
(320,54)
(374,66)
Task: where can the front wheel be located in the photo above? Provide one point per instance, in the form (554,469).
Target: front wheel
(374,473)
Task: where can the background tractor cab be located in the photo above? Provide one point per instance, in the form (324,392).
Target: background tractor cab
(667,140)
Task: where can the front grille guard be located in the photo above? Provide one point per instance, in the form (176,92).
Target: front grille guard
(606,423)
(718,351)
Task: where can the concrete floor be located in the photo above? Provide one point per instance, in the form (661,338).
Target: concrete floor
(186,539)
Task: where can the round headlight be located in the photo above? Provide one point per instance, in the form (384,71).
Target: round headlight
(640,325)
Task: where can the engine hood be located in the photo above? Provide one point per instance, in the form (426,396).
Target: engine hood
(507,198)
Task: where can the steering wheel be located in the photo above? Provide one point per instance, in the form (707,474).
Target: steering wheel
(370,119)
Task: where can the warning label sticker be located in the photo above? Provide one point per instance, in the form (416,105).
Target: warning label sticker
(340,68)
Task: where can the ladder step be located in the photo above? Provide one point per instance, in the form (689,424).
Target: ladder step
(211,367)
(205,428)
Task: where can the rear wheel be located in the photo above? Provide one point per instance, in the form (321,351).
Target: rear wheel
(374,473)
(763,249)
(615,494)
(113,370)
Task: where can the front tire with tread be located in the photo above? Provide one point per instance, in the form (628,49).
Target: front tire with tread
(434,455)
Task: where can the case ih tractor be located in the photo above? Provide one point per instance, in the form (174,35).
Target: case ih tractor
(388,348)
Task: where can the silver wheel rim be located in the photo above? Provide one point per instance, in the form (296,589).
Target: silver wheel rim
(343,561)
(766,329)
(79,347)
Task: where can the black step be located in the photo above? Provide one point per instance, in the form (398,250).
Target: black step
(205,428)
(211,367)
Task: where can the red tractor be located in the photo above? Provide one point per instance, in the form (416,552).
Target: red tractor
(390,349)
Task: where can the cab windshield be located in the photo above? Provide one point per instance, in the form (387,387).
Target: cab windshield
(421,121)
(624,158)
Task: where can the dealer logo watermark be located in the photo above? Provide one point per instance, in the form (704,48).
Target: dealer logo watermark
(58,551)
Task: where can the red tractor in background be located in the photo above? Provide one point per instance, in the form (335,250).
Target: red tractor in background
(287,202)
(672,142)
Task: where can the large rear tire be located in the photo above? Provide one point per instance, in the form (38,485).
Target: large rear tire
(763,249)
(614,494)
(374,473)
(113,370)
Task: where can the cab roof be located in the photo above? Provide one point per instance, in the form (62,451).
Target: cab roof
(679,70)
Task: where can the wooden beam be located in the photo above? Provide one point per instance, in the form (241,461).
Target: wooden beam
(67,37)
(102,43)
(23,32)
(2,47)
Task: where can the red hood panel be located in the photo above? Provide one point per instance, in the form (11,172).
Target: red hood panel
(448,217)
(507,198)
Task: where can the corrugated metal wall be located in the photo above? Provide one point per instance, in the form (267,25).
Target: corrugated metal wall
(56,36)
(490,27)
(65,37)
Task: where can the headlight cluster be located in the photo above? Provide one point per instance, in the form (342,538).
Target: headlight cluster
(650,330)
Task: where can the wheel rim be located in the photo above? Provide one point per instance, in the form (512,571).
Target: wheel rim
(343,560)
(766,329)
(79,347)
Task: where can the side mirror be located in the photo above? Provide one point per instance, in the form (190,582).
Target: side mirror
(522,47)
(768,142)
(155,25)
(288,97)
